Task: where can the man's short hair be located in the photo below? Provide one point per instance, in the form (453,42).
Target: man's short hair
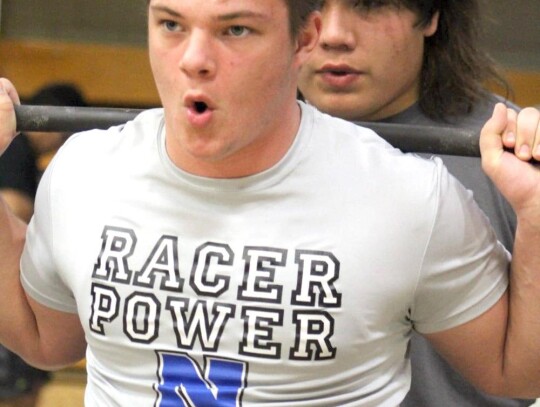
(299,12)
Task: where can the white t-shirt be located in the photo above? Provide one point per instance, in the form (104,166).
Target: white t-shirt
(297,286)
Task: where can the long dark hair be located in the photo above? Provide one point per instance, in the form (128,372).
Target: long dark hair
(456,69)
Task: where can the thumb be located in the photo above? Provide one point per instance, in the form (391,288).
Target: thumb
(491,143)
(8,96)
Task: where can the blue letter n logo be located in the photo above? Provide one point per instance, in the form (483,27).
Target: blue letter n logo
(221,384)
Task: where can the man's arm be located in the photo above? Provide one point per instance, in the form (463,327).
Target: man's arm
(44,337)
(499,351)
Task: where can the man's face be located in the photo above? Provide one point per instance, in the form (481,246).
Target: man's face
(226,72)
(368,62)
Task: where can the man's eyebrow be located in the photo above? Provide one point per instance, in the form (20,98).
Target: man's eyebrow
(241,14)
(165,9)
(222,17)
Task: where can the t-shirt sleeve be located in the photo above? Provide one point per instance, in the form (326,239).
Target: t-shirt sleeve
(39,273)
(465,268)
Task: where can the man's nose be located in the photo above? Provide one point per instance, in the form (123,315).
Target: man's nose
(198,58)
(336,33)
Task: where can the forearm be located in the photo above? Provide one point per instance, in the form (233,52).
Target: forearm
(498,351)
(508,141)
(18,330)
(521,366)
(45,338)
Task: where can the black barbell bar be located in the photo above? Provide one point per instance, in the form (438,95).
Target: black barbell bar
(70,119)
(408,138)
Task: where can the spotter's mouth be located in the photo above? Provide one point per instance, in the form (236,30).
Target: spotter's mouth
(341,70)
(338,73)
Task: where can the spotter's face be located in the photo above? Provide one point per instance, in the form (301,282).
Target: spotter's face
(368,62)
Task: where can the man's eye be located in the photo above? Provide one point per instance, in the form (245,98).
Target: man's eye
(170,25)
(238,31)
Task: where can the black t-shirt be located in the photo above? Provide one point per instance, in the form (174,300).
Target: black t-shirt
(18,168)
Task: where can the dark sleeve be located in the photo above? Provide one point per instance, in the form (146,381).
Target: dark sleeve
(18,168)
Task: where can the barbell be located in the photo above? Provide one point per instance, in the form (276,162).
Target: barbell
(406,137)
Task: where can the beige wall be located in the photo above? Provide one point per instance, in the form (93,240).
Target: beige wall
(107,74)
(512,29)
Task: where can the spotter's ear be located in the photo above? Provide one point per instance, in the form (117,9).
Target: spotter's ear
(432,26)
(308,37)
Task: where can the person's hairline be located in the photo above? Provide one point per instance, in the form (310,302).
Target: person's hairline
(294,33)
(222,17)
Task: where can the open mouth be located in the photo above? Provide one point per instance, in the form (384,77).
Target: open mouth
(199,110)
(200,107)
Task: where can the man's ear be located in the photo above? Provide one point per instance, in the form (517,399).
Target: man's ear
(308,37)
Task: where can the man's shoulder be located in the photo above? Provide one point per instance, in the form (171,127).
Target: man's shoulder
(360,152)
(142,129)
(107,151)
(331,130)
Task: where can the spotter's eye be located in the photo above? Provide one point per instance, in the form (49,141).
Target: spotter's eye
(238,31)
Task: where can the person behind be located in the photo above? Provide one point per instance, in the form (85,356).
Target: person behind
(19,177)
(414,62)
(238,247)
(20,168)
